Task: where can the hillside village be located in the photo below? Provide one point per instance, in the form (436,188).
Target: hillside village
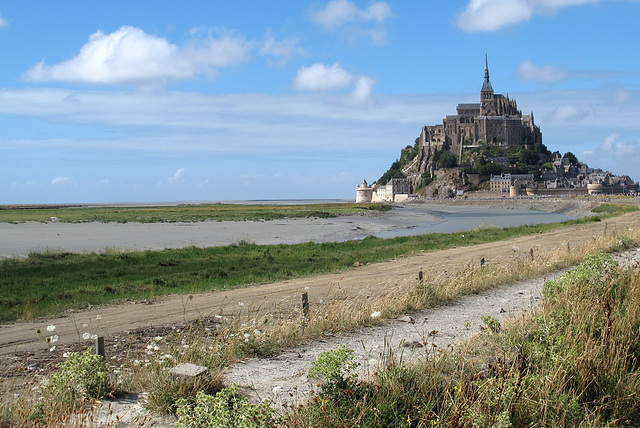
(488,146)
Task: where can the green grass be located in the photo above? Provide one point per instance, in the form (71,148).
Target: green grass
(182,213)
(46,284)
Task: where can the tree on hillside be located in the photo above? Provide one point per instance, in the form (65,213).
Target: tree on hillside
(445,159)
(529,157)
(395,171)
(573,160)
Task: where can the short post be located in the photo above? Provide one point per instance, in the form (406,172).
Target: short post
(305,304)
(531,253)
(482,262)
(100,346)
(420,276)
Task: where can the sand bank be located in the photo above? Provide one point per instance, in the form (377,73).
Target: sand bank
(21,239)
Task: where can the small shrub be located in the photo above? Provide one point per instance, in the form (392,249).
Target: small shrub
(81,376)
(335,366)
(492,323)
(227,409)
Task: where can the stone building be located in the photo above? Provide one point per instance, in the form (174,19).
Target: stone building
(495,120)
(396,190)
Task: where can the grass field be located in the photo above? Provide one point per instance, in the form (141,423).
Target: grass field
(46,284)
(182,213)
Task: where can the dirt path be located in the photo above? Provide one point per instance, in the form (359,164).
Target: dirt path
(374,278)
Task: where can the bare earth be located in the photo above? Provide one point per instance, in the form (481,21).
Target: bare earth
(282,379)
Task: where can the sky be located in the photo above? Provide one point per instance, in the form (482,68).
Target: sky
(146,101)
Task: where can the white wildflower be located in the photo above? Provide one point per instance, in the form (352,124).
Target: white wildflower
(52,348)
(86,335)
(98,317)
(376,315)
(51,328)
(54,338)
(240,304)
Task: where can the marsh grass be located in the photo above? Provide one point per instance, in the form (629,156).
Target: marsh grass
(46,284)
(182,213)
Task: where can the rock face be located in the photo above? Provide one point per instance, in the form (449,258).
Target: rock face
(448,182)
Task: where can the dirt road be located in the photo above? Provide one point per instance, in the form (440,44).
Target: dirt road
(105,321)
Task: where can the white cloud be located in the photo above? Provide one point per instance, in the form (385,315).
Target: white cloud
(340,12)
(319,77)
(3,22)
(492,15)
(361,94)
(621,96)
(129,56)
(566,113)
(546,74)
(177,177)
(620,154)
(346,15)
(283,49)
(61,180)
(620,149)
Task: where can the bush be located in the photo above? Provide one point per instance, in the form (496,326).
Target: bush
(227,409)
(81,376)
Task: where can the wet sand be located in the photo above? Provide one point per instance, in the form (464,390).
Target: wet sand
(414,219)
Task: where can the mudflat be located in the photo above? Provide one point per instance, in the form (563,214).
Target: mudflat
(411,219)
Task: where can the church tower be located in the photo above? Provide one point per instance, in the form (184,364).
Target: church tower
(487,99)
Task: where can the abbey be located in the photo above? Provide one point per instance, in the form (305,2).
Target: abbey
(495,120)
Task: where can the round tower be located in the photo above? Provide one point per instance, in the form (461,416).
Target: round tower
(364,193)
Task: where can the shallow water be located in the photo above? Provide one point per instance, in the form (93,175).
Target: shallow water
(448,219)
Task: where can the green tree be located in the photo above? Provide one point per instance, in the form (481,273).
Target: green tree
(529,157)
(573,160)
(490,169)
(445,159)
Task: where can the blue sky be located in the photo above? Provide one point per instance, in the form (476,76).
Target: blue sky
(127,101)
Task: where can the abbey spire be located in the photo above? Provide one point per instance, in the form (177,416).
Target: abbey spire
(487,90)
